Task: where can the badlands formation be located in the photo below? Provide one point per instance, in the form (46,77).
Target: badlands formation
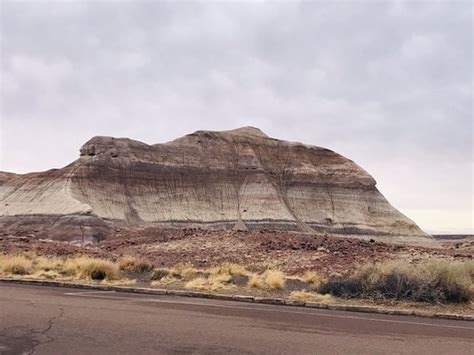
(240,179)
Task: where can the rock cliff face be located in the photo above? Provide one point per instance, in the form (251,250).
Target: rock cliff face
(231,179)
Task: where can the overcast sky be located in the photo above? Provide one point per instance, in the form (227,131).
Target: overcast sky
(387,84)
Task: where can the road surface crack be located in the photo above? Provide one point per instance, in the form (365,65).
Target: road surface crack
(44,332)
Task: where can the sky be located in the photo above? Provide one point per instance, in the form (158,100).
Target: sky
(388,84)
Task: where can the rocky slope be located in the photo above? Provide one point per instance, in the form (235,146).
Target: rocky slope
(240,179)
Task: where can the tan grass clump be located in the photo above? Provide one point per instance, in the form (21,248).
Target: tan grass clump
(15,265)
(230,269)
(212,283)
(200,283)
(98,269)
(270,279)
(312,278)
(121,282)
(256,281)
(185,271)
(81,267)
(91,268)
(50,274)
(70,266)
(274,279)
(311,297)
(133,264)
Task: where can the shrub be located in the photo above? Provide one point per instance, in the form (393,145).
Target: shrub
(312,278)
(70,266)
(81,267)
(270,279)
(256,281)
(158,274)
(274,279)
(41,263)
(133,264)
(436,281)
(16,265)
(185,271)
(230,269)
(211,283)
(94,268)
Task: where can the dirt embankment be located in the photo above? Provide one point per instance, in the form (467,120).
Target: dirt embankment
(290,252)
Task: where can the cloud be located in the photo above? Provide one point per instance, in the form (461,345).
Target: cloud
(388,84)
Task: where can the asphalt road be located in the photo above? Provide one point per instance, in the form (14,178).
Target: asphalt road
(46,320)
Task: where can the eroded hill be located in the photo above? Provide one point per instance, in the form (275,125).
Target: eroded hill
(240,179)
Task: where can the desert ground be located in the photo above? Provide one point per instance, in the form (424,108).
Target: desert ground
(290,252)
(281,264)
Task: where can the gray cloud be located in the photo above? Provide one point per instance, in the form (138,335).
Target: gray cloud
(388,84)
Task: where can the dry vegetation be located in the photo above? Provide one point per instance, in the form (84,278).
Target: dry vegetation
(312,278)
(436,281)
(16,265)
(270,279)
(82,267)
(311,297)
(225,276)
(133,264)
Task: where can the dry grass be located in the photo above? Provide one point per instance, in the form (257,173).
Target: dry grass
(256,281)
(47,264)
(120,282)
(312,278)
(212,283)
(133,264)
(59,268)
(159,274)
(311,297)
(437,281)
(270,279)
(84,267)
(96,269)
(166,280)
(201,283)
(50,275)
(217,278)
(15,265)
(157,283)
(230,269)
(165,276)
(184,271)
(274,279)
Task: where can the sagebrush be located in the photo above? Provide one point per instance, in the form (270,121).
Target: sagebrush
(437,281)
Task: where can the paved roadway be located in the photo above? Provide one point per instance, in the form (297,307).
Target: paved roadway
(47,320)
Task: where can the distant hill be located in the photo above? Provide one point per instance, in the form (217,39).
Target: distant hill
(452,236)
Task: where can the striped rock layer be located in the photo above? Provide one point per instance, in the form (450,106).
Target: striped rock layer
(221,180)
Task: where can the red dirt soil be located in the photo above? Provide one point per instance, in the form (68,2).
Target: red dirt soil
(290,252)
